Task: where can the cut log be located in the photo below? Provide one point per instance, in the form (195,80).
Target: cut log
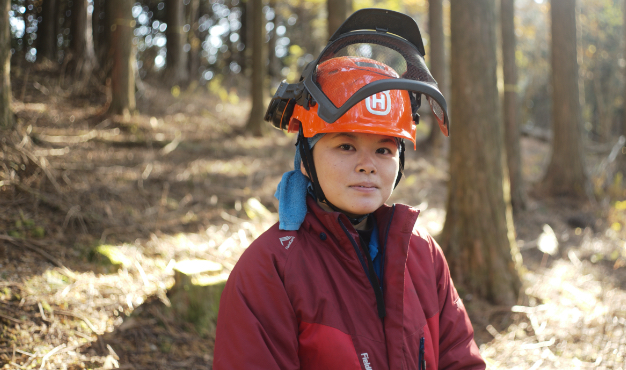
(195,296)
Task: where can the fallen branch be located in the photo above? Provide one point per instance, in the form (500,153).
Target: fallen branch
(11,319)
(23,243)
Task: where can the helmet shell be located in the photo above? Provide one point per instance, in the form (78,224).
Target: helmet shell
(384,113)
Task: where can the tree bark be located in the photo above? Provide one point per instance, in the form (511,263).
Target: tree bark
(176,58)
(123,55)
(478,235)
(6,116)
(104,38)
(565,175)
(337,13)
(78,26)
(46,35)
(98,26)
(256,126)
(81,42)
(437,65)
(194,39)
(622,154)
(511,105)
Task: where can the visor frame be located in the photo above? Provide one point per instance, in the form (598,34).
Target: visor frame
(330,113)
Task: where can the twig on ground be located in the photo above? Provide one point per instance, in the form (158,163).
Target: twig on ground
(16,365)
(49,354)
(11,319)
(23,243)
(86,320)
(43,164)
(43,315)
(23,352)
(163,319)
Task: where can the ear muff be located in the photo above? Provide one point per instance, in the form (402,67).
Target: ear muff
(279,112)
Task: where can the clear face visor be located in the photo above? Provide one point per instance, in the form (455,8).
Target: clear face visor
(407,71)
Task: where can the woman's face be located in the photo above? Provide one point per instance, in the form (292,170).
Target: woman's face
(356,171)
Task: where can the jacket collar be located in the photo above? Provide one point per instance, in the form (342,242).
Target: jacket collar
(320,221)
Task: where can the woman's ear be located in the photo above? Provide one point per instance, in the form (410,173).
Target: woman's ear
(303,170)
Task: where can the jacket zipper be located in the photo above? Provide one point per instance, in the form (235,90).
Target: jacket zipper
(422,357)
(384,248)
(369,272)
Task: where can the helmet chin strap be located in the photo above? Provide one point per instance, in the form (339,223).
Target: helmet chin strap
(309,166)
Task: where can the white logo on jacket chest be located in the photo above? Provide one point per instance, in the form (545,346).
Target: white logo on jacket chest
(366,361)
(287,240)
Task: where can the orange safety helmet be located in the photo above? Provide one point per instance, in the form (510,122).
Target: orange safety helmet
(371,77)
(384,113)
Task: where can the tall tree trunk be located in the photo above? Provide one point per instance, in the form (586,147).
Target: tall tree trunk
(6,116)
(46,35)
(437,64)
(478,232)
(98,28)
(176,58)
(104,38)
(511,106)
(565,175)
(622,155)
(337,13)
(78,26)
(123,55)
(194,39)
(81,42)
(256,126)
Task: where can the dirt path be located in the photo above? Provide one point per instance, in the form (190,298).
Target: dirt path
(170,183)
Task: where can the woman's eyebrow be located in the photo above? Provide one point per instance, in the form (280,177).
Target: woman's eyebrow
(387,140)
(340,134)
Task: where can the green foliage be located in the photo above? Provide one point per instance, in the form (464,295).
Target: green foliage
(109,257)
(26,228)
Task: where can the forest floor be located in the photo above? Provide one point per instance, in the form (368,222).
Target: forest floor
(171,183)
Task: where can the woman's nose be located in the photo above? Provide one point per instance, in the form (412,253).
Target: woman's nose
(366,164)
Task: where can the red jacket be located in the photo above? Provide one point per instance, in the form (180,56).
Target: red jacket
(302,300)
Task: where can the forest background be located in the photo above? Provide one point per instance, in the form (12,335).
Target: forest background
(132,139)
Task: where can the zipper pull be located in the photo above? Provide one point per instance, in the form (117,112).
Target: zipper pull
(422,356)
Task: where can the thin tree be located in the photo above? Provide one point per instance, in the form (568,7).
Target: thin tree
(176,57)
(46,36)
(256,125)
(6,116)
(511,105)
(478,232)
(337,13)
(437,63)
(565,175)
(123,56)
(98,26)
(622,155)
(194,39)
(81,42)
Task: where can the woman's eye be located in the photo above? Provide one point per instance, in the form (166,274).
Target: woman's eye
(383,151)
(345,146)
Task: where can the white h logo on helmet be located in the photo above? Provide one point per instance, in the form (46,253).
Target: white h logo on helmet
(379,103)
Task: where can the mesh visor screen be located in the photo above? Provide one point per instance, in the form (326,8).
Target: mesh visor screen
(402,57)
